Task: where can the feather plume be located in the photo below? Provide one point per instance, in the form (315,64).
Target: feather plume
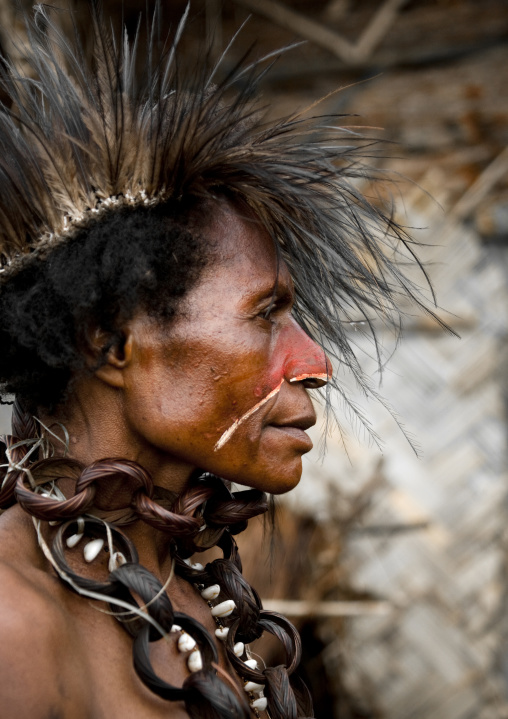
(82,138)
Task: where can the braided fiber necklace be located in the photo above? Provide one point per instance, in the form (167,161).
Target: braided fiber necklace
(206,515)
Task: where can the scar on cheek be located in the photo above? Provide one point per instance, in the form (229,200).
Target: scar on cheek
(226,436)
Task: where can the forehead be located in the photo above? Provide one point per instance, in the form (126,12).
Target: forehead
(243,250)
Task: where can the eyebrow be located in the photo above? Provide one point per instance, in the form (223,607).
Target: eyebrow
(280,289)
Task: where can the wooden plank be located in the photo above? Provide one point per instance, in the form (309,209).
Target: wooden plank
(351,53)
(302,26)
(308,608)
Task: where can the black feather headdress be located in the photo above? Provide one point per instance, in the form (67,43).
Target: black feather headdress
(85,135)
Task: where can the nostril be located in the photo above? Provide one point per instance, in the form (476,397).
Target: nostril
(313,382)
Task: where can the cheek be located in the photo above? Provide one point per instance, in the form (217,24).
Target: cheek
(169,389)
(190,396)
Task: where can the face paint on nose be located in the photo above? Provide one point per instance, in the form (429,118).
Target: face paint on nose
(297,358)
(303,358)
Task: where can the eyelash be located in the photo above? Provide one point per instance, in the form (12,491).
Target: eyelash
(267,314)
(272,308)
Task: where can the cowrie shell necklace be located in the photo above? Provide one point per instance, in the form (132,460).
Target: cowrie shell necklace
(220,611)
(186,644)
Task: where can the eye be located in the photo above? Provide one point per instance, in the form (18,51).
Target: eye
(276,308)
(267,314)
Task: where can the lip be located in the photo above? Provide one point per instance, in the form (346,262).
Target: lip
(295,429)
(302,422)
(290,423)
(297,434)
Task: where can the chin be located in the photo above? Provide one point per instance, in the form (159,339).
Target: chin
(282,488)
(279,481)
(273,465)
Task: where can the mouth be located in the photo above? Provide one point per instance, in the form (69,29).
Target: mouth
(295,429)
(298,437)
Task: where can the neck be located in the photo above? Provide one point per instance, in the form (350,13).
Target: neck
(96,429)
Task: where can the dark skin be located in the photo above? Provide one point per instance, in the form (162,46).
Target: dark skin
(164,398)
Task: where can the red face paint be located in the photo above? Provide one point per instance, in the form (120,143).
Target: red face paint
(297,358)
(302,357)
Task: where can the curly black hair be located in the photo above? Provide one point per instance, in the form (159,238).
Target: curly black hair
(136,258)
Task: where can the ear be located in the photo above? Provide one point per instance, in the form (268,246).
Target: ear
(118,358)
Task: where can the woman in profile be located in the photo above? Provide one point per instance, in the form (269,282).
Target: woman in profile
(173,270)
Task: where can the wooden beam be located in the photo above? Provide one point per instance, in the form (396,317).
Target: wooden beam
(302,26)
(484,183)
(350,53)
(308,608)
(376,29)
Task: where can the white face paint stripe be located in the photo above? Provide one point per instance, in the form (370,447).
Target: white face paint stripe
(226,436)
(301,377)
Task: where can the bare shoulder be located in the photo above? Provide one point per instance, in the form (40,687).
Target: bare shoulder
(40,673)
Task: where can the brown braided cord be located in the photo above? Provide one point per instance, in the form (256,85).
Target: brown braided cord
(109,469)
(166,521)
(23,422)
(280,695)
(49,509)
(24,427)
(8,477)
(189,502)
(52,509)
(207,505)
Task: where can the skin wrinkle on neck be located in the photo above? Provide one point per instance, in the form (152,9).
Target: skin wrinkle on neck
(226,436)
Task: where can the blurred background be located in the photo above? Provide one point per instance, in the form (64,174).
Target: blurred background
(393,565)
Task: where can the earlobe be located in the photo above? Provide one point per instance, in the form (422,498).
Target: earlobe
(117,360)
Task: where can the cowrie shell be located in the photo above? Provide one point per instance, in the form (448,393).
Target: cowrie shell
(73,540)
(197,566)
(251,663)
(221,633)
(224,609)
(176,628)
(195,662)
(239,649)
(260,704)
(211,592)
(253,687)
(186,643)
(92,549)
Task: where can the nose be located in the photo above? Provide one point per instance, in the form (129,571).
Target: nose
(306,362)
